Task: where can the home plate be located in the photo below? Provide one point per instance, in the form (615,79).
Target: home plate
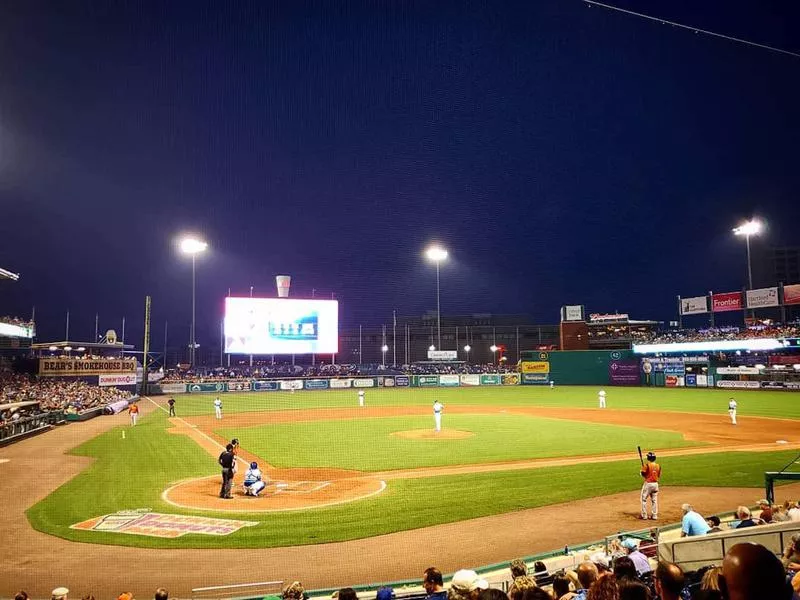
(281,485)
(781,442)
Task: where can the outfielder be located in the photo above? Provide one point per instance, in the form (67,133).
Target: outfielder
(601,398)
(253,483)
(361,397)
(437,415)
(732,410)
(218,407)
(552,384)
(651,471)
(133,411)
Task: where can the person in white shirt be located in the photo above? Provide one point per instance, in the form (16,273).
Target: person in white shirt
(253,483)
(601,397)
(361,397)
(218,407)
(732,410)
(552,384)
(437,415)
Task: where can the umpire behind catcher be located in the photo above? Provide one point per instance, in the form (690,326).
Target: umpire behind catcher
(226,460)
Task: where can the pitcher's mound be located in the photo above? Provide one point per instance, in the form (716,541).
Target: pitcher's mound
(430,434)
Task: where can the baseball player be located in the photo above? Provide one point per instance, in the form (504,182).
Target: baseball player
(437,415)
(651,471)
(218,407)
(601,398)
(253,483)
(552,384)
(732,410)
(361,397)
(133,411)
(171,403)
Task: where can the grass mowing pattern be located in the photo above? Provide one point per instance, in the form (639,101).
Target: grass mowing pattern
(367,444)
(131,473)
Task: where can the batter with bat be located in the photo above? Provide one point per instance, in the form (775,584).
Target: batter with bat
(651,471)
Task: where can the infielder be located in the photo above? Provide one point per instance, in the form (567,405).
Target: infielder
(361,397)
(651,471)
(133,411)
(601,398)
(732,410)
(252,481)
(218,407)
(437,415)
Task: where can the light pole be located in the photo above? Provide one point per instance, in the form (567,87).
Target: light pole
(494,349)
(384,350)
(437,254)
(467,348)
(751,227)
(193,247)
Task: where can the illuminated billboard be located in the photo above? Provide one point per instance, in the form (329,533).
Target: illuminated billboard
(281,326)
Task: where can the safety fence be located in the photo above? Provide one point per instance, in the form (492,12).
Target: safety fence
(25,426)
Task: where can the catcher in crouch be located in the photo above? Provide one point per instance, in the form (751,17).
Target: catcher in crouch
(253,484)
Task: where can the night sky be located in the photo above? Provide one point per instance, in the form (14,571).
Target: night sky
(563,154)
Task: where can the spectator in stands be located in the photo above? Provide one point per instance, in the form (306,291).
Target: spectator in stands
(536,593)
(347,594)
(713,523)
(518,568)
(600,561)
(624,568)
(639,560)
(60,593)
(21,595)
(692,523)
(587,575)
(125,596)
(796,585)
(751,572)
(793,510)
(433,583)
(293,591)
(540,574)
(561,589)
(605,588)
(746,520)
(161,594)
(709,585)
(766,511)
(387,593)
(669,581)
(791,554)
(88,597)
(492,594)
(466,585)
(519,585)
(779,513)
(633,590)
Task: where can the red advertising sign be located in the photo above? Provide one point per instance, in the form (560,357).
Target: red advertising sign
(784,359)
(791,294)
(727,301)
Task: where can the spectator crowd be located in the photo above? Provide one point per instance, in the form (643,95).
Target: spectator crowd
(708,334)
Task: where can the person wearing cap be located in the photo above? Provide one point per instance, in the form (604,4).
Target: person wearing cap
(466,585)
(791,554)
(433,583)
(227,460)
(651,472)
(766,511)
(639,560)
(60,593)
(253,484)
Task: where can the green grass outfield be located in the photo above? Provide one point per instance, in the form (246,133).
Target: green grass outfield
(784,405)
(367,444)
(131,473)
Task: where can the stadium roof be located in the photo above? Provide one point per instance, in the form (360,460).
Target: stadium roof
(4,274)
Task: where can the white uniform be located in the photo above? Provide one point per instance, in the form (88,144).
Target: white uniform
(253,483)
(601,398)
(361,398)
(437,415)
(218,408)
(552,384)
(732,410)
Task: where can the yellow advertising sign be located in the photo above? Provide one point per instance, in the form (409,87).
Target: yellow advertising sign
(79,367)
(538,366)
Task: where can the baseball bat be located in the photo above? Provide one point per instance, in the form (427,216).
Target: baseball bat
(641,460)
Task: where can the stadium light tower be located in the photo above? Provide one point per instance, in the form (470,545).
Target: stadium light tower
(384,350)
(437,254)
(467,348)
(192,246)
(751,227)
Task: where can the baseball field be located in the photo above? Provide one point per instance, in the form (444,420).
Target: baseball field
(339,472)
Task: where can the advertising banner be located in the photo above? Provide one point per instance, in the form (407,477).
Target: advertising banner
(173,388)
(448,380)
(784,359)
(427,380)
(666,365)
(510,379)
(122,379)
(363,382)
(702,380)
(82,367)
(340,384)
(534,378)
(793,385)
(161,525)
(470,380)
(442,354)
(791,294)
(292,384)
(737,371)
(691,380)
(673,381)
(726,302)
(694,306)
(762,297)
(773,385)
(490,379)
(539,366)
(572,313)
(741,385)
(266,386)
(316,384)
(239,386)
(17,331)
(402,381)
(624,372)
(388,382)
(196,388)
(281,326)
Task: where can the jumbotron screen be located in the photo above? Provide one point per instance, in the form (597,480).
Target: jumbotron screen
(281,326)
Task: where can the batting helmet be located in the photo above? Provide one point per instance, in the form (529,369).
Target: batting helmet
(235,441)
(254,465)
(651,456)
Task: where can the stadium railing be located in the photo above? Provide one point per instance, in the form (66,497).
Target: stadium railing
(27,426)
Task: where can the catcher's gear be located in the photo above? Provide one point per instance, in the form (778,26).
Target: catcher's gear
(651,456)
(254,465)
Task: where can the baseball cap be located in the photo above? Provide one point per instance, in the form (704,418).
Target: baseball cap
(59,592)
(468,581)
(630,544)
(385,593)
(599,558)
(763,501)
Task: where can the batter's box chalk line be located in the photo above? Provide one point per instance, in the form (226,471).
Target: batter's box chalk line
(301,487)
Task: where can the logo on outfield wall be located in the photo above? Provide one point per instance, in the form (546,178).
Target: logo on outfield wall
(161,525)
